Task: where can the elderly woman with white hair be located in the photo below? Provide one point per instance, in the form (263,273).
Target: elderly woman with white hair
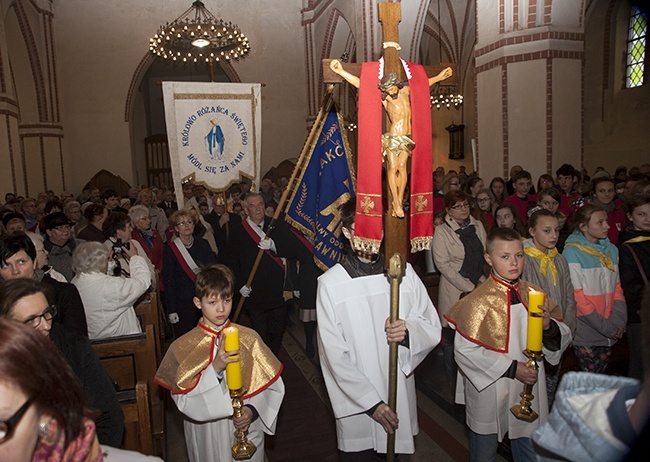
(42,261)
(149,239)
(109,300)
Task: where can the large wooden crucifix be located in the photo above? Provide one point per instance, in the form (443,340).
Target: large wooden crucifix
(402,107)
(397,120)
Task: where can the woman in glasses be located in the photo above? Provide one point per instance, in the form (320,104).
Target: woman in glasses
(485,205)
(458,247)
(23,300)
(181,257)
(42,409)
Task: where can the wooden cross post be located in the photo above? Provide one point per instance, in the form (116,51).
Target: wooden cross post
(395,228)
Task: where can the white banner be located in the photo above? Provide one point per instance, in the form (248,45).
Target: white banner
(214,133)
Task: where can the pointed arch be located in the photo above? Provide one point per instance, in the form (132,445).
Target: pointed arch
(33,55)
(141,70)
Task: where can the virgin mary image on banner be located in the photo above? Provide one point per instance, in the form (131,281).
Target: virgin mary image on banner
(214,133)
(215,141)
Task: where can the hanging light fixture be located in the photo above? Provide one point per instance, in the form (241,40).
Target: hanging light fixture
(197,35)
(446,96)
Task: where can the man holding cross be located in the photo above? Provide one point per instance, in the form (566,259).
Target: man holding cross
(359,347)
(353,334)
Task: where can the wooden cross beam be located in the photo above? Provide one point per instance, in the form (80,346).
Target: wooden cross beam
(329,76)
(395,229)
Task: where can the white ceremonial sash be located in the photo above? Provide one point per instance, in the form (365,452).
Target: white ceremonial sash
(186,258)
(257,229)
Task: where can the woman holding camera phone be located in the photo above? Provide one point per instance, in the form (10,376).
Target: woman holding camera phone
(108,300)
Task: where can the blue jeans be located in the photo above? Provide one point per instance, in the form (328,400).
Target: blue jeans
(483,448)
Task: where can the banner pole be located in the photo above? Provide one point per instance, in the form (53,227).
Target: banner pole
(322,113)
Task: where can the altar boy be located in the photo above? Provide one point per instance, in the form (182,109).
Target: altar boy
(492,322)
(193,370)
(352,306)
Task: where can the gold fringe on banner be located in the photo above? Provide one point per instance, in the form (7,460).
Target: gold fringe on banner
(366,245)
(421,243)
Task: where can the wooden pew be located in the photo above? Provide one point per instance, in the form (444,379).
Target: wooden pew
(148,312)
(137,418)
(128,360)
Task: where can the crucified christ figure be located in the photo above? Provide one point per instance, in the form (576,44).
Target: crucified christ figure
(396,143)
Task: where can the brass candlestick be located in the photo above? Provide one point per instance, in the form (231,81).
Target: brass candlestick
(243,448)
(523,411)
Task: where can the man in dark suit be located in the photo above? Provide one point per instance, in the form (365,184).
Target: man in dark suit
(168,201)
(222,223)
(265,297)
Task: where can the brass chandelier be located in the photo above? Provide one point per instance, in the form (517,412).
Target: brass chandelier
(446,96)
(198,35)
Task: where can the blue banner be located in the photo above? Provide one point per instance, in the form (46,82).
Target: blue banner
(325,183)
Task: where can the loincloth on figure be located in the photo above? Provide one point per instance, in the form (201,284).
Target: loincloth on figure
(396,144)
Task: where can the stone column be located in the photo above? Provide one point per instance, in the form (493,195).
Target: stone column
(31,154)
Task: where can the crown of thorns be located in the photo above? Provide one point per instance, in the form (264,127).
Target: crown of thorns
(390,80)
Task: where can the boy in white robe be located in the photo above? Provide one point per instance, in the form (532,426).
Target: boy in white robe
(353,333)
(193,370)
(492,322)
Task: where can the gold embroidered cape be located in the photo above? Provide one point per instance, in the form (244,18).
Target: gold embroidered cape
(187,358)
(483,316)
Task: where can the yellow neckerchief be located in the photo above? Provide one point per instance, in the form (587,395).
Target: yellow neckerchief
(546,261)
(634,240)
(605,260)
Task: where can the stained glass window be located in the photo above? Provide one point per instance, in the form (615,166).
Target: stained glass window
(636,48)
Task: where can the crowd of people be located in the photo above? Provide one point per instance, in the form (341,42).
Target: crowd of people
(586,217)
(84,262)
(74,268)
(584,241)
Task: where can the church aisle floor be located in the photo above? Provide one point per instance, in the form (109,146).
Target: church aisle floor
(306,427)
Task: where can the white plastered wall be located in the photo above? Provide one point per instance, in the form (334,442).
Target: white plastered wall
(100,44)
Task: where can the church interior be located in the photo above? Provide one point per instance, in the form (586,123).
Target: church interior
(543,82)
(537,83)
